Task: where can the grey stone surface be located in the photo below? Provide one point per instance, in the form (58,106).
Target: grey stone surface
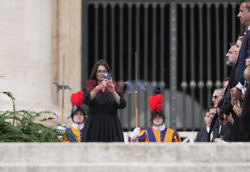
(37,157)
(125,167)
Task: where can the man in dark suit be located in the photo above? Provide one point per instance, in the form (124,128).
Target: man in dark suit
(203,135)
(231,60)
(244,16)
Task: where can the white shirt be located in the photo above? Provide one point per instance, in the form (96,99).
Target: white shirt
(208,129)
(77,126)
(220,129)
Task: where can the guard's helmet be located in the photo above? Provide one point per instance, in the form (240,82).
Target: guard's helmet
(77,104)
(155,103)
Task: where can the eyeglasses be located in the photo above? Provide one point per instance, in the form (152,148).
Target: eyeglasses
(101,71)
(215,97)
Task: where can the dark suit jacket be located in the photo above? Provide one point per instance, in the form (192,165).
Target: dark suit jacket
(225,132)
(236,129)
(245,117)
(244,53)
(226,106)
(202,136)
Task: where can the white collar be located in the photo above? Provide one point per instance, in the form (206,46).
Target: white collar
(161,127)
(248,28)
(208,129)
(77,126)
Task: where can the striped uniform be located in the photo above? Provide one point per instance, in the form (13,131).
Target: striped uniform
(153,135)
(73,135)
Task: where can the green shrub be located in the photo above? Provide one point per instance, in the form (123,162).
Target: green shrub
(21,125)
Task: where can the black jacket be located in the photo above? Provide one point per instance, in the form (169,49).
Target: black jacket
(202,136)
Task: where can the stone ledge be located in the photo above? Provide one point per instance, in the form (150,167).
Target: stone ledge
(124,167)
(123,157)
(124,153)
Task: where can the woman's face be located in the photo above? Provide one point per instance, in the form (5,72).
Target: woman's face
(100,73)
(78,117)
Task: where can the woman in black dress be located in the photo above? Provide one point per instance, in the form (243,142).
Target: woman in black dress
(102,124)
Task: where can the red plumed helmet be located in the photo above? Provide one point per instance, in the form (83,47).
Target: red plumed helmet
(77,98)
(77,103)
(155,102)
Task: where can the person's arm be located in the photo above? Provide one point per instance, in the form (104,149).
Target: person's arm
(176,137)
(246,107)
(197,139)
(135,134)
(111,88)
(96,89)
(94,92)
(227,132)
(117,97)
(216,133)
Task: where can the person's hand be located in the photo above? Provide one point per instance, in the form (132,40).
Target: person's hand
(237,108)
(224,121)
(235,93)
(247,61)
(110,86)
(102,85)
(216,140)
(230,119)
(135,133)
(61,129)
(233,101)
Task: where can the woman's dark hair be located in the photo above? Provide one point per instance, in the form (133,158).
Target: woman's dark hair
(95,67)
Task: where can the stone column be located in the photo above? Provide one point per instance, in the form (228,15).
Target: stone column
(35,34)
(69,46)
(25,52)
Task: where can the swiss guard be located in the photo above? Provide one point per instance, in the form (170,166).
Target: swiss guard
(78,116)
(158,132)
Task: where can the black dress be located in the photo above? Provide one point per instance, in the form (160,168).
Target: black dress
(103,124)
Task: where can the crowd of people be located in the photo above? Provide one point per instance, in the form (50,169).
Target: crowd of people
(228,120)
(231,121)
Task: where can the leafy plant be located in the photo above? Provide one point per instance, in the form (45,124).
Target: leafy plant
(25,125)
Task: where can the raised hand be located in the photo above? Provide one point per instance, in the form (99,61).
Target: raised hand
(110,86)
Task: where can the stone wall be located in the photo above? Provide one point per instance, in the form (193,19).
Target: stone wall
(35,35)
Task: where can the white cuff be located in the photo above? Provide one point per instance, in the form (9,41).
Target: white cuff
(239,86)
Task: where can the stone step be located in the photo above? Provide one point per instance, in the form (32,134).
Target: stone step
(113,157)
